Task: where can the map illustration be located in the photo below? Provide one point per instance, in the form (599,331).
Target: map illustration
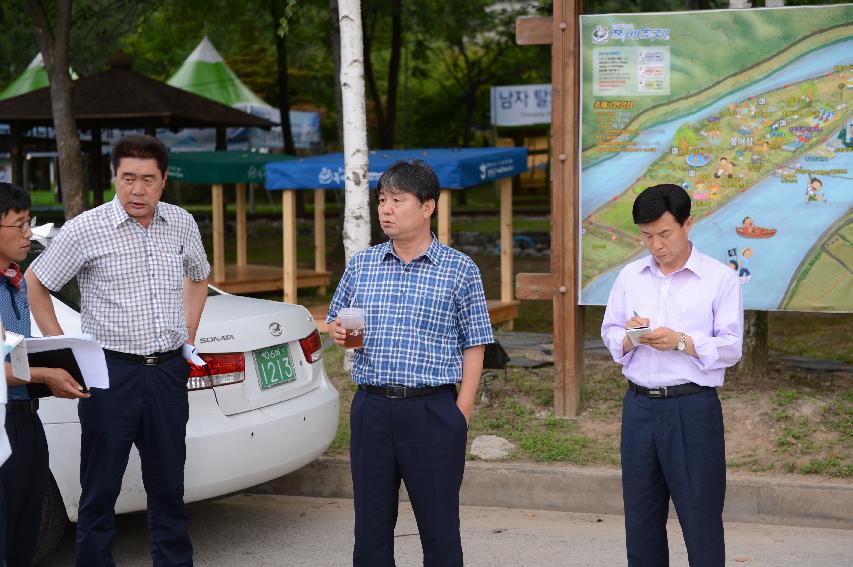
(751,111)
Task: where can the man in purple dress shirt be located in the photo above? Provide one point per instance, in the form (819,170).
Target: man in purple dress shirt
(672,423)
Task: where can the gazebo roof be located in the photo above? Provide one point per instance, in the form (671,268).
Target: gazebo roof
(221,167)
(122,98)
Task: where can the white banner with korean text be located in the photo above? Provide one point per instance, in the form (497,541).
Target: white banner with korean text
(521,105)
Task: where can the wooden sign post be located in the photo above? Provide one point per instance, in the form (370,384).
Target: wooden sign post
(562,284)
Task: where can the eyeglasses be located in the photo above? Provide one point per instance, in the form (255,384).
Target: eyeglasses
(24,226)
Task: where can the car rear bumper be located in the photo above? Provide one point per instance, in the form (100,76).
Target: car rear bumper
(225,454)
(230,453)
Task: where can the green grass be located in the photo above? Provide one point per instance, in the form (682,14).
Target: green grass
(333,362)
(46,200)
(787,397)
(554,446)
(751,463)
(831,466)
(838,415)
(814,335)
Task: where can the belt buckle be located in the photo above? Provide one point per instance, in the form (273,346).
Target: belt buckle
(659,392)
(395,392)
(150,361)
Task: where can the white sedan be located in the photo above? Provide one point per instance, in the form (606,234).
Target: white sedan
(262,408)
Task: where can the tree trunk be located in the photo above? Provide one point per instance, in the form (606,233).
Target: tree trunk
(468,116)
(336,57)
(54,47)
(754,359)
(368,27)
(386,110)
(387,135)
(283,84)
(356,210)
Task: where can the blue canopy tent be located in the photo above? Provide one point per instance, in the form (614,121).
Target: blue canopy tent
(456,169)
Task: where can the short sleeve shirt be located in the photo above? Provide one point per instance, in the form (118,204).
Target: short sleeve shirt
(420,316)
(15,313)
(130,277)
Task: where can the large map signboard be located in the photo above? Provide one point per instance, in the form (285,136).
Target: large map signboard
(751,111)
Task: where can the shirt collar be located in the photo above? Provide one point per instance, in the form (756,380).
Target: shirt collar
(433,253)
(119,215)
(693,263)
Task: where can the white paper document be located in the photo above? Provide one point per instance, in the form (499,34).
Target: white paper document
(87,352)
(17,355)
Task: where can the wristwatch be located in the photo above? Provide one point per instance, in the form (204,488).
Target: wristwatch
(682,342)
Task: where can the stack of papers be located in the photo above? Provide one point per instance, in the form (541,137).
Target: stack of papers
(88,355)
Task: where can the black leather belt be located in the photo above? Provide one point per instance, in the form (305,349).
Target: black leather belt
(400,392)
(22,406)
(147,360)
(668,391)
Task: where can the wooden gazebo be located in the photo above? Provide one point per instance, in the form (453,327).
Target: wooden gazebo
(119,98)
(240,168)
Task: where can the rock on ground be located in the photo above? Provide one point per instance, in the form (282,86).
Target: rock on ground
(491,447)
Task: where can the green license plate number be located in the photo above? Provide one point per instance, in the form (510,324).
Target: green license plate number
(274,366)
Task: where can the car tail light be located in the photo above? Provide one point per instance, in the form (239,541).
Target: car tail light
(312,347)
(221,369)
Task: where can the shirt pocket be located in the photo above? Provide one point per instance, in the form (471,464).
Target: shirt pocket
(169,271)
(434,313)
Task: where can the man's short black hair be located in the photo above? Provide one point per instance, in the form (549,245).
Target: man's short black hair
(13,198)
(141,146)
(652,203)
(411,176)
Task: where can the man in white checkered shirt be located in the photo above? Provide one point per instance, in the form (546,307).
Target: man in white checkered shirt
(142,272)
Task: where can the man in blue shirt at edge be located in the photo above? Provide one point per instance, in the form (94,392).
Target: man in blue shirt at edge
(427,325)
(23,478)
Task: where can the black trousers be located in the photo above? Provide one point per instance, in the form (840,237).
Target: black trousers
(146,406)
(421,441)
(673,447)
(24,479)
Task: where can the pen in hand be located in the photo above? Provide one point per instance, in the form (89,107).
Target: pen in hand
(637,316)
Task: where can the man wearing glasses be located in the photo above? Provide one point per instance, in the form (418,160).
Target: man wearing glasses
(23,477)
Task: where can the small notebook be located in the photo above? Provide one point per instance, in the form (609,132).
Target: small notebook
(59,358)
(635,333)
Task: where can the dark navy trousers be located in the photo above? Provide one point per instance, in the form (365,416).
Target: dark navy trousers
(673,447)
(23,480)
(421,441)
(146,406)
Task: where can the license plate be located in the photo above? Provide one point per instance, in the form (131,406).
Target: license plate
(274,366)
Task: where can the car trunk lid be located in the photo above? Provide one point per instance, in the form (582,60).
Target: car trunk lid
(267,334)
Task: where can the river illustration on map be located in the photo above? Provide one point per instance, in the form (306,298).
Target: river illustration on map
(766,154)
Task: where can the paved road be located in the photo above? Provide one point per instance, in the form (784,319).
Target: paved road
(277,531)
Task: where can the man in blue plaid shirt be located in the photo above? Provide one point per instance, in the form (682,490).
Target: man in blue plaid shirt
(426,329)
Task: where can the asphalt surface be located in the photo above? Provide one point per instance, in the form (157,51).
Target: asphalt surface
(278,531)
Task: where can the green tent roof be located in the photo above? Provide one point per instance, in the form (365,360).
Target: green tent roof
(206,74)
(33,78)
(221,167)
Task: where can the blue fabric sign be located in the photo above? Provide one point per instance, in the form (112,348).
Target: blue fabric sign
(456,168)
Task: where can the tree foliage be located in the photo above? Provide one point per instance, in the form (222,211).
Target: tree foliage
(449,52)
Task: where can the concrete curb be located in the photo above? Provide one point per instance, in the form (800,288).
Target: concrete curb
(597,491)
